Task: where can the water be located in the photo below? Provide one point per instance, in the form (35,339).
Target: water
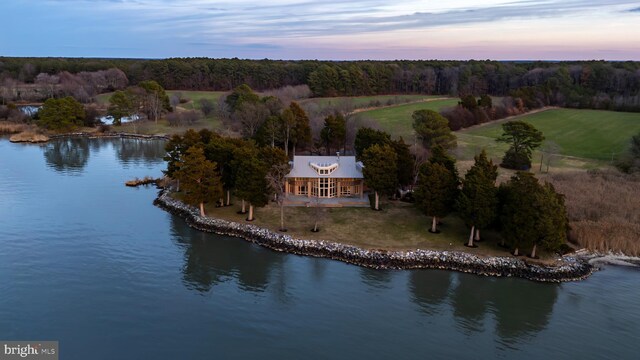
(93,264)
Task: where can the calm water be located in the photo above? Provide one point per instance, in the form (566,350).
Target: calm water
(93,264)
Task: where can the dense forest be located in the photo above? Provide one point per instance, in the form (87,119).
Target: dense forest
(587,84)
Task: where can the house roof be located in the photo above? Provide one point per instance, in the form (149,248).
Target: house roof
(307,167)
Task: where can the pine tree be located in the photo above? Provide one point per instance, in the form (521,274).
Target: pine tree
(532,215)
(380,170)
(478,199)
(433,129)
(251,181)
(436,191)
(199,178)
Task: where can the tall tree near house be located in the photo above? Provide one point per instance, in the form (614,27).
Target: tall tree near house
(270,132)
(440,156)
(222,151)
(176,147)
(435,192)
(251,178)
(523,138)
(380,170)
(121,104)
(276,178)
(334,132)
(405,162)
(302,129)
(288,127)
(200,179)
(433,129)
(366,137)
(477,202)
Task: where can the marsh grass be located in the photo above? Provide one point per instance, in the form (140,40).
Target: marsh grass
(604,209)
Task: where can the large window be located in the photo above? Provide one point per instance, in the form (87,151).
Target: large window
(327,188)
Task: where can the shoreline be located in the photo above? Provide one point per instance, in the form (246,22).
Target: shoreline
(571,268)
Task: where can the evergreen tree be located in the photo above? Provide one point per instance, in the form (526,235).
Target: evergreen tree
(531,214)
(380,170)
(199,177)
(251,178)
(301,134)
(405,162)
(478,200)
(241,95)
(436,191)
(270,132)
(439,156)
(523,138)
(433,129)
(61,114)
(366,137)
(121,104)
(334,132)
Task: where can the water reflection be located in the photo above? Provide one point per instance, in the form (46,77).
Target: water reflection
(70,155)
(429,288)
(520,308)
(139,151)
(212,260)
(376,278)
(67,155)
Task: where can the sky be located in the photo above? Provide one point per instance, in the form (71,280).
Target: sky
(326,30)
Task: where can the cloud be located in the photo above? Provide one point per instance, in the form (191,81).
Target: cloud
(209,28)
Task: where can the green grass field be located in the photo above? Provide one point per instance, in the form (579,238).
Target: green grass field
(397,120)
(365,101)
(589,134)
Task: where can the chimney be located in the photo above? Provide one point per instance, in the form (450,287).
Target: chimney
(338,155)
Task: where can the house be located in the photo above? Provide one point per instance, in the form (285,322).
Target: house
(325,177)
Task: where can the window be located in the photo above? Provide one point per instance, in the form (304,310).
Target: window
(324,169)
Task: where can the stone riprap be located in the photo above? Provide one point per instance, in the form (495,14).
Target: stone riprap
(568,268)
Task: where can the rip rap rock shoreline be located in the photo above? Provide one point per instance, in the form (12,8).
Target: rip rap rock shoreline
(569,269)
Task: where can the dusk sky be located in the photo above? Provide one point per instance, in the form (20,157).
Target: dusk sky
(340,30)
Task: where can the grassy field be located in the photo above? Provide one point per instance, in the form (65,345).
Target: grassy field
(365,101)
(399,226)
(397,119)
(589,134)
(193,96)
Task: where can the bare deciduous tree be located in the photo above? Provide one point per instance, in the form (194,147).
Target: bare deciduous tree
(277,178)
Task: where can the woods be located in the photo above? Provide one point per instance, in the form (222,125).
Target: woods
(581,84)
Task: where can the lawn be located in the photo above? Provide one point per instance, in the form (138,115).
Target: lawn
(366,101)
(399,226)
(397,120)
(195,96)
(589,134)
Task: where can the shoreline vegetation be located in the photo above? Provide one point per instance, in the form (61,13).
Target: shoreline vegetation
(566,268)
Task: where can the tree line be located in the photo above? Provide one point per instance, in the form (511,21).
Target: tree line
(584,84)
